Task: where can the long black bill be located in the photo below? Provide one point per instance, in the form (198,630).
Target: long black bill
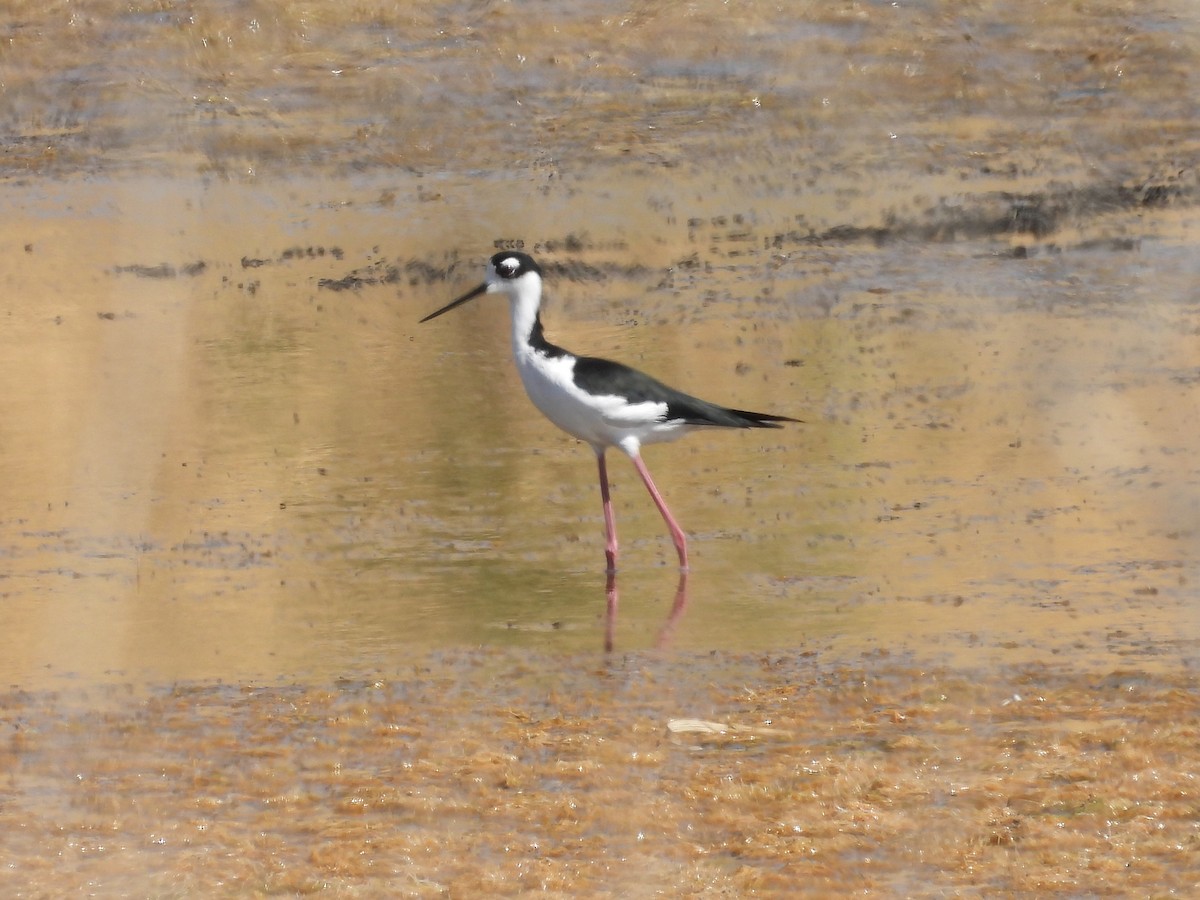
(470,295)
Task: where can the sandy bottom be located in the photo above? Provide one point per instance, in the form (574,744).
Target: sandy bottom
(479,774)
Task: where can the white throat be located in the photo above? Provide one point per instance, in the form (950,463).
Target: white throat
(524,299)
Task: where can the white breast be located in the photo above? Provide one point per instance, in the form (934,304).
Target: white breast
(602,421)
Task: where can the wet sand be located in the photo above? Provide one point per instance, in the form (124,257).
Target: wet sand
(480,774)
(298,597)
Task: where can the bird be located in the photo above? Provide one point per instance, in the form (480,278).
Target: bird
(602,403)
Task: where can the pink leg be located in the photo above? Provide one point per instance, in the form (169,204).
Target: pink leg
(677,534)
(610,523)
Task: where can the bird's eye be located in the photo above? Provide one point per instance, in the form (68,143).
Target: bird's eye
(508,268)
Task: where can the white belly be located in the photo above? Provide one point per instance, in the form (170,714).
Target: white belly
(602,421)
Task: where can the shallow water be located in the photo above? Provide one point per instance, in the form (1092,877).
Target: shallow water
(206,429)
(958,242)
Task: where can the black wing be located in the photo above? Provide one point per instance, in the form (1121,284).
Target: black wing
(603,376)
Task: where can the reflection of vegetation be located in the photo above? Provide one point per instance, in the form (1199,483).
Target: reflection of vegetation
(249,346)
(255,348)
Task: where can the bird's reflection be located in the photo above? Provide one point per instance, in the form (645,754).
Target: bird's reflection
(665,633)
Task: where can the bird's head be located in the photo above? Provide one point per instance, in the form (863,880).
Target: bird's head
(511,273)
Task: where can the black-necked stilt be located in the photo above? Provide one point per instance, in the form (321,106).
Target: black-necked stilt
(604,403)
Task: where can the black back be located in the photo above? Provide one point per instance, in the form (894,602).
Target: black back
(603,376)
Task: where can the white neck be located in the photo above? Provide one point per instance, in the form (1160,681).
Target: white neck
(523,303)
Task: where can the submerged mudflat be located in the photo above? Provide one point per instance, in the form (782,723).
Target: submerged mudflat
(501,774)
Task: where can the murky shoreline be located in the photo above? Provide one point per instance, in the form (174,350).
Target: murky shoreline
(501,773)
